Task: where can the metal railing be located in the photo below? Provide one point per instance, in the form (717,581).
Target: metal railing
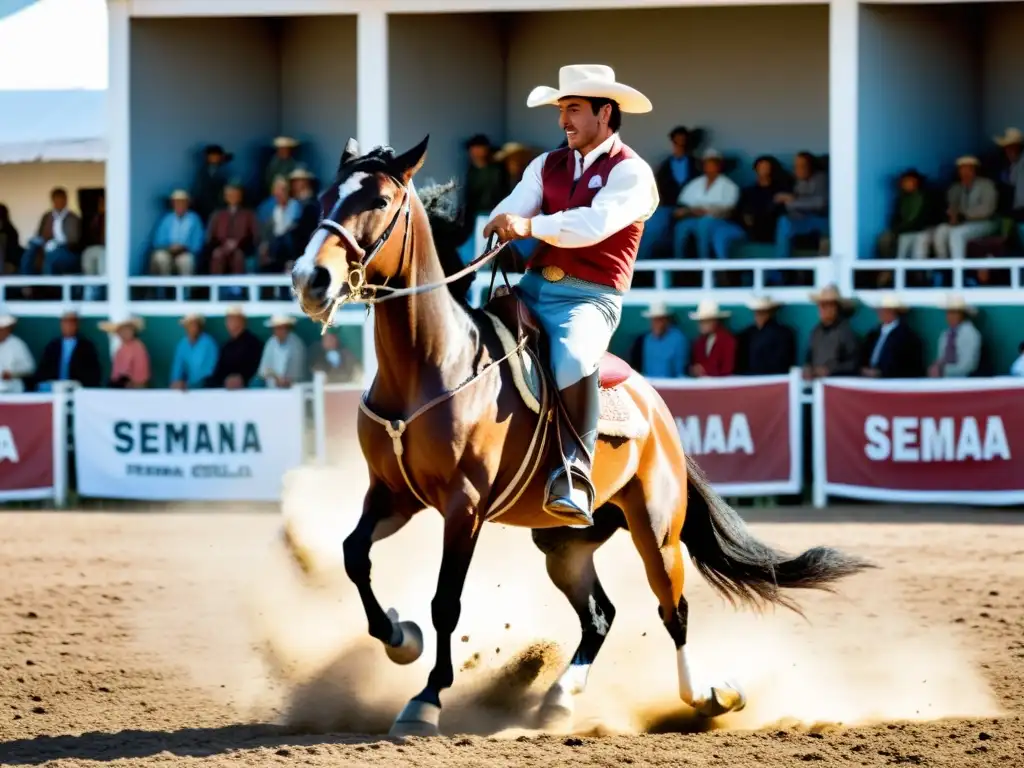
(925,282)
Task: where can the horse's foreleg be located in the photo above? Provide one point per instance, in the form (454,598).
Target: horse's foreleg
(570,564)
(422,714)
(384,514)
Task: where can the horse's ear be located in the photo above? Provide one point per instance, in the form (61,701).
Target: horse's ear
(349,153)
(408,163)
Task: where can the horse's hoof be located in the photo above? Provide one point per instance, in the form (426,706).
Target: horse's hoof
(721,701)
(410,647)
(419,718)
(556,710)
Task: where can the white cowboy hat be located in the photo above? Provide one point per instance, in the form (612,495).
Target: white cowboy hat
(830,293)
(120,319)
(708,310)
(301,173)
(593,80)
(508,149)
(657,309)
(967,160)
(893,302)
(277,320)
(1011,136)
(711,154)
(234,310)
(762,303)
(180,194)
(69,313)
(192,317)
(6,321)
(285,141)
(954,302)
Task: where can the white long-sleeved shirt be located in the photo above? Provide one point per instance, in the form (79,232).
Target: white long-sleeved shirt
(721,194)
(629,194)
(16,359)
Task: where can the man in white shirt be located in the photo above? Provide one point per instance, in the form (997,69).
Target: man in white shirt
(586,205)
(703,210)
(284,355)
(16,362)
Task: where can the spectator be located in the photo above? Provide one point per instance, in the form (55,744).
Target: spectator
(10,244)
(959,348)
(212,177)
(54,249)
(240,356)
(233,233)
(703,211)
(284,355)
(282,163)
(486,185)
(663,352)
(277,248)
(910,220)
(130,368)
(758,211)
(806,207)
(69,357)
(834,348)
(178,238)
(678,170)
(892,350)
(94,241)
(1012,142)
(16,363)
(766,347)
(1017,368)
(302,191)
(195,357)
(515,157)
(336,362)
(714,351)
(972,201)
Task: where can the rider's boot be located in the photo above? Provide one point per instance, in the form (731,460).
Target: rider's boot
(570,492)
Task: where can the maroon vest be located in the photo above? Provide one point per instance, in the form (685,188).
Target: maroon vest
(609,262)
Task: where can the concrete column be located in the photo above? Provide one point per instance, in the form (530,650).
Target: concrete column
(843,135)
(118,169)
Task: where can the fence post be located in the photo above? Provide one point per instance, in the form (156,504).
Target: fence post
(320,416)
(818,464)
(61,393)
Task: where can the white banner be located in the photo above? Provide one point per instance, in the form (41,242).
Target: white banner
(207,445)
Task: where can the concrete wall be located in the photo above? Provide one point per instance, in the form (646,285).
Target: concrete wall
(1002,85)
(921,99)
(25,189)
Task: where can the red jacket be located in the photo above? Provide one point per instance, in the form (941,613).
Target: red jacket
(722,359)
(609,262)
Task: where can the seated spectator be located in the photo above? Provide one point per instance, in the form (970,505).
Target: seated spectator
(959,348)
(766,347)
(972,202)
(677,170)
(703,211)
(1017,368)
(892,350)
(130,368)
(195,357)
(301,180)
(806,207)
(240,356)
(233,233)
(515,157)
(69,357)
(282,163)
(284,355)
(94,241)
(663,352)
(16,362)
(277,248)
(10,244)
(486,185)
(714,351)
(211,178)
(336,362)
(1012,177)
(834,349)
(757,213)
(55,248)
(177,239)
(912,216)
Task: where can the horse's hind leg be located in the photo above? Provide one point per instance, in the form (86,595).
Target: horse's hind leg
(570,564)
(384,514)
(656,534)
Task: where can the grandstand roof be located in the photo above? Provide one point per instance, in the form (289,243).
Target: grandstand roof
(53,80)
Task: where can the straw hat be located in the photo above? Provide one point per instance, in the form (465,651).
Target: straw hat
(967,160)
(508,149)
(711,154)
(657,309)
(235,310)
(180,194)
(120,319)
(830,293)
(6,321)
(763,304)
(69,313)
(708,310)
(1010,137)
(893,302)
(285,141)
(278,320)
(301,173)
(192,317)
(593,80)
(954,302)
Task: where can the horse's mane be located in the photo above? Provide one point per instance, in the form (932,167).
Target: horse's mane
(442,206)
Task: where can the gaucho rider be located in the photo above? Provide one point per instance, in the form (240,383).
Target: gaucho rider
(585,204)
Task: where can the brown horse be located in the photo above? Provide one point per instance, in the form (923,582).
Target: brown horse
(452,421)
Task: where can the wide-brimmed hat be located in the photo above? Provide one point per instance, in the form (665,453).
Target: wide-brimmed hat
(711,154)
(657,309)
(1010,137)
(235,310)
(301,173)
(180,194)
(6,321)
(277,320)
(893,302)
(119,319)
(967,160)
(830,293)
(192,317)
(763,304)
(708,309)
(285,141)
(508,149)
(590,80)
(954,302)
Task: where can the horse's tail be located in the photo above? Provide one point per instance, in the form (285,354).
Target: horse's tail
(740,567)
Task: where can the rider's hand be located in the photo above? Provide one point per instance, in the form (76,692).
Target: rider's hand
(508,226)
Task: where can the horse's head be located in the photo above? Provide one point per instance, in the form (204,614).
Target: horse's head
(365,220)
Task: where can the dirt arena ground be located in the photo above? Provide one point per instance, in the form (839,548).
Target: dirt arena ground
(185,638)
